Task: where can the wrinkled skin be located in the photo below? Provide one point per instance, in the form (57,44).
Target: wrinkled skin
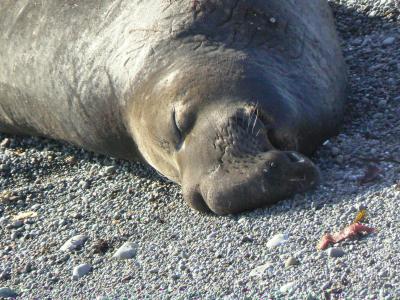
(223,97)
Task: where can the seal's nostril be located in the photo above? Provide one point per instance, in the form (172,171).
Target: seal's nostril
(294,157)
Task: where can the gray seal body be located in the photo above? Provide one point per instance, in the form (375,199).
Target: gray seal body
(225,97)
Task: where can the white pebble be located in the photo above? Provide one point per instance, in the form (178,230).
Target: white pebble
(291,261)
(80,271)
(74,243)
(261,270)
(335,252)
(388,41)
(109,170)
(127,251)
(287,287)
(277,240)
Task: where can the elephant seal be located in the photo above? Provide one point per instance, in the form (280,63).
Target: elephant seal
(225,97)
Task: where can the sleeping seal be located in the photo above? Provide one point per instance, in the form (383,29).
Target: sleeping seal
(225,97)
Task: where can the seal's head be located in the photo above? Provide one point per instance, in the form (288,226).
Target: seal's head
(225,134)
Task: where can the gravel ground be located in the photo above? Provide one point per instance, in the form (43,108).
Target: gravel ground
(175,252)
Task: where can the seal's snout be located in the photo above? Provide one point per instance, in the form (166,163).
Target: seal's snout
(234,187)
(245,170)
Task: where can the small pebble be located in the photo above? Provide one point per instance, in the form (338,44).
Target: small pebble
(17,224)
(335,151)
(74,243)
(212,235)
(361,206)
(5,142)
(277,240)
(15,235)
(80,271)
(175,276)
(382,103)
(35,206)
(109,170)
(5,276)
(247,239)
(27,268)
(339,159)
(126,251)
(287,287)
(388,41)
(327,285)
(261,270)
(6,292)
(335,252)
(291,261)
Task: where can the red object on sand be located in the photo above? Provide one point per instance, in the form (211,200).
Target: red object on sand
(350,231)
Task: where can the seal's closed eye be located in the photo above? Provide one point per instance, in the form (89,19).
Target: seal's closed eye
(177,130)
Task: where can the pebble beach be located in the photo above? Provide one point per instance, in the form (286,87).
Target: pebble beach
(78,225)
